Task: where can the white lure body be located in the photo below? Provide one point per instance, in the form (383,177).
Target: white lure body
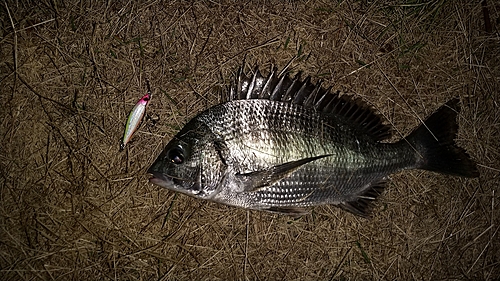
(134,119)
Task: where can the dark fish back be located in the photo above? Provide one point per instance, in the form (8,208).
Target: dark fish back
(310,96)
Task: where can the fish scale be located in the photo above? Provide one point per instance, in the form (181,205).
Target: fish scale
(281,144)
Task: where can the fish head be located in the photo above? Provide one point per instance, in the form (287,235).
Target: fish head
(190,163)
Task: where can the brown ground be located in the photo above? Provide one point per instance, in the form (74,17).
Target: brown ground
(73,207)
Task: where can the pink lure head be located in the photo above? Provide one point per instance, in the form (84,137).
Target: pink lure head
(145,99)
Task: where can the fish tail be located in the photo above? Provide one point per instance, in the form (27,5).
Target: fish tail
(434,142)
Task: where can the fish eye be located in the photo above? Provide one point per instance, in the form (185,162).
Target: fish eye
(176,155)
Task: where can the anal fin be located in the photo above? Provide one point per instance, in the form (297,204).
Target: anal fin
(289,211)
(361,205)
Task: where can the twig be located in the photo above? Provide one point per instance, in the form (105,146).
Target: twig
(15,37)
(33,90)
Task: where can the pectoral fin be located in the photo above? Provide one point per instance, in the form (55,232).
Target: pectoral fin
(254,181)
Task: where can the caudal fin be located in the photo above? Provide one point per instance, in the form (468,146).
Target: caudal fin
(435,143)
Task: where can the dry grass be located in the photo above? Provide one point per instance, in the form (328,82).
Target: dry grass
(73,207)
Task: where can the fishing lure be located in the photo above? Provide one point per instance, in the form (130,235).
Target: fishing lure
(135,117)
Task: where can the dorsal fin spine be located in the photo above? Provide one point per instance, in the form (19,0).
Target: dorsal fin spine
(301,93)
(323,100)
(276,92)
(312,97)
(239,83)
(265,93)
(251,86)
(290,91)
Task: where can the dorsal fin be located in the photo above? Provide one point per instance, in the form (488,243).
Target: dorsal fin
(314,96)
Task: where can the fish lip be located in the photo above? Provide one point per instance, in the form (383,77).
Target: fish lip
(167,182)
(160,179)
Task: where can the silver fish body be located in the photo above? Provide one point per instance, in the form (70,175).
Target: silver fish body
(280,144)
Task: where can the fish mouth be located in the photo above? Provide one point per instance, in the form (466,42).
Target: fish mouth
(160,179)
(163,180)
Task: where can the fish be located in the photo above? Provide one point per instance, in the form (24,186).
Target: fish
(281,144)
(135,117)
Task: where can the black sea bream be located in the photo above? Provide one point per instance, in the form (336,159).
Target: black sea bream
(280,144)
